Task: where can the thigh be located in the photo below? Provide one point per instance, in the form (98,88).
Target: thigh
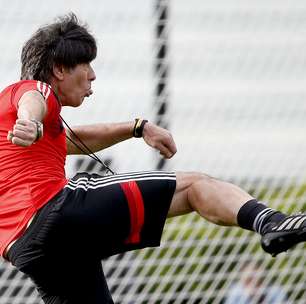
(118,213)
(75,281)
(61,276)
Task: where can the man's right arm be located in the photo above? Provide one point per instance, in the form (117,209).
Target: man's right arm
(31,110)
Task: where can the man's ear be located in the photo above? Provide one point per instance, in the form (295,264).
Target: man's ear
(58,72)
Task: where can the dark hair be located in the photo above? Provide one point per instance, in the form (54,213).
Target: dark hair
(65,42)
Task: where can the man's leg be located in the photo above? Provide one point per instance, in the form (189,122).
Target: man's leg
(56,259)
(77,281)
(225,204)
(215,200)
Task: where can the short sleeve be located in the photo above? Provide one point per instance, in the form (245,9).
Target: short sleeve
(29,85)
(52,121)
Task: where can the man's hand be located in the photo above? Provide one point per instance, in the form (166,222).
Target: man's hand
(160,139)
(24,133)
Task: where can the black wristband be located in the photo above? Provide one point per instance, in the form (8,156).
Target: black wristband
(138,127)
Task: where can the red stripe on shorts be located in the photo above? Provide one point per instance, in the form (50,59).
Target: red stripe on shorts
(135,202)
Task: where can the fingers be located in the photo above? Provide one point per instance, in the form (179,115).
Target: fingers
(160,139)
(166,147)
(23,133)
(172,146)
(21,142)
(166,153)
(10,135)
(19,139)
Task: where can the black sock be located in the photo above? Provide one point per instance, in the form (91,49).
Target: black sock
(254,216)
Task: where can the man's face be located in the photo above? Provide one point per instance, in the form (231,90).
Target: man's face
(75,84)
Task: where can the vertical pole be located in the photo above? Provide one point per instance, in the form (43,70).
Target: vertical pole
(161,67)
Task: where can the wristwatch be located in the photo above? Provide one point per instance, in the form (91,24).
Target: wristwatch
(39,129)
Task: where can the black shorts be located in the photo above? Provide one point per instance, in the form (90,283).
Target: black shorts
(92,218)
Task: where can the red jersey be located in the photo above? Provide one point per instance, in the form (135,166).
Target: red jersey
(29,176)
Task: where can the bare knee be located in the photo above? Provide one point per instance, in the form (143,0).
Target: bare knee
(181,203)
(215,200)
(202,197)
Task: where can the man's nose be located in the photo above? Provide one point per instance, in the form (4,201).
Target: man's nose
(91,74)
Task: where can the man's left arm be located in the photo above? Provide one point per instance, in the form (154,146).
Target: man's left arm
(100,136)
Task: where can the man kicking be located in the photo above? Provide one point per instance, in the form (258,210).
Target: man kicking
(57,230)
